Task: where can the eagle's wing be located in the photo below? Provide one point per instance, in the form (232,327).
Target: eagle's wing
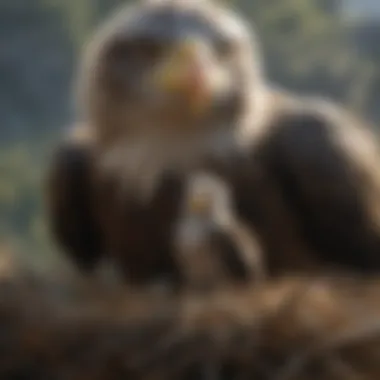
(327,165)
(69,204)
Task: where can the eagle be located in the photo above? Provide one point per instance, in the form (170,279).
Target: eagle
(213,248)
(169,87)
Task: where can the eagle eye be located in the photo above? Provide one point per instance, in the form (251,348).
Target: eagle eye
(138,50)
(224,48)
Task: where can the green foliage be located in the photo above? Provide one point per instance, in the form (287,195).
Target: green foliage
(22,220)
(82,15)
(306,48)
(79,15)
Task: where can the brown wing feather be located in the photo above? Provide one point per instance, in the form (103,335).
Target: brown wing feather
(70,212)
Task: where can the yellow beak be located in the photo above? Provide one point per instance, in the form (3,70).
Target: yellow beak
(183,73)
(200,204)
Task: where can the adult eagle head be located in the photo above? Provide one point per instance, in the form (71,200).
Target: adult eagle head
(165,81)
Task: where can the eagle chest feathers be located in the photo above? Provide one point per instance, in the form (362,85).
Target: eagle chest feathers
(138,234)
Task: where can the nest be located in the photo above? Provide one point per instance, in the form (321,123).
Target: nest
(291,329)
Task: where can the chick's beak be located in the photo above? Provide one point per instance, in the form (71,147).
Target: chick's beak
(185,72)
(200,204)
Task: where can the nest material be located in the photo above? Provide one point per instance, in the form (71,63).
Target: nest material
(296,329)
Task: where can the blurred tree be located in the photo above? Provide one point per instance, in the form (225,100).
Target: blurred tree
(35,70)
(307,50)
(83,15)
(364,35)
(80,16)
